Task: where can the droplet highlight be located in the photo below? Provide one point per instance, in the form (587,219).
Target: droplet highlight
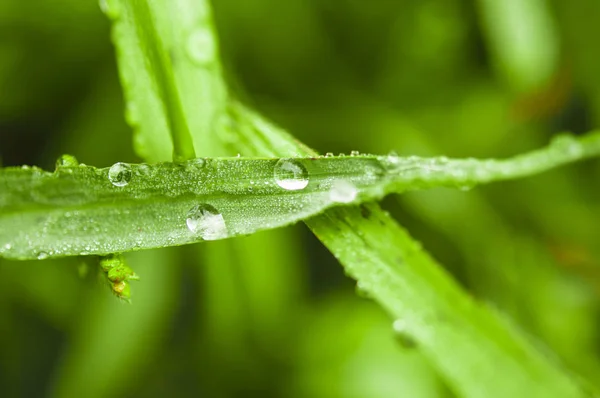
(206,222)
(291,175)
(120,174)
(343,191)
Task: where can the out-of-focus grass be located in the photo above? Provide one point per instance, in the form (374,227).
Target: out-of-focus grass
(418,77)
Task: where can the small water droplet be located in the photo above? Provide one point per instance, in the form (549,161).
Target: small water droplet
(343,191)
(42,256)
(198,163)
(362,291)
(66,161)
(354,153)
(119,174)
(329,155)
(201,47)
(290,174)
(402,336)
(342,154)
(206,221)
(144,170)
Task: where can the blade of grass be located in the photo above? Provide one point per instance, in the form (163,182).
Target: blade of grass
(79,210)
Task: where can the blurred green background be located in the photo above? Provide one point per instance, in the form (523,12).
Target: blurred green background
(272,315)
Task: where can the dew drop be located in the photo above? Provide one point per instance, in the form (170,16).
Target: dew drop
(329,155)
(402,335)
(66,161)
(42,255)
(201,47)
(198,163)
(144,170)
(343,191)
(206,221)
(354,153)
(119,174)
(5,248)
(290,174)
(362,290)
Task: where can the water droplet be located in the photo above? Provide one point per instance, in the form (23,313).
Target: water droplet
(66,161)
(206,221)
(362,291)
(144,170)
(354,153)
(402,335)
(290,174)
(343,191)
(329,155)
(119,174)
(198,163)
(42,256)
(201,47)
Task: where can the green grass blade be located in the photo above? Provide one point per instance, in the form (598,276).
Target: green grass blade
(170,75)
(79,210)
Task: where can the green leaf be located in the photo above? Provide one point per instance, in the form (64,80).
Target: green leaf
(81,210)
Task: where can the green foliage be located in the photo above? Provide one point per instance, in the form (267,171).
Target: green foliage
(253,316)
(81,210)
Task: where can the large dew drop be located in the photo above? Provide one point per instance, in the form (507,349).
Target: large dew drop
(119,174)
(343,191)
(290,174)
(206,221)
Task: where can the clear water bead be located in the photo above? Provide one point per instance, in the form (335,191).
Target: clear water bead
(207,222)
(67,161)
(42,256)
(343,191)
(402,335)
(119,174)
(290,174)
